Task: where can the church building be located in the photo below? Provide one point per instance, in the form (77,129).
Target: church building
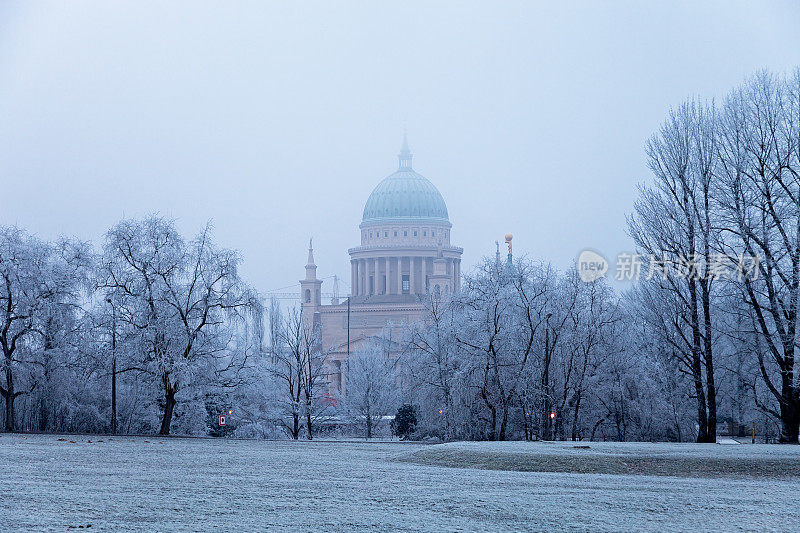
(405,253)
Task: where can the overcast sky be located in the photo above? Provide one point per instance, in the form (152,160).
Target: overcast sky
(276,120)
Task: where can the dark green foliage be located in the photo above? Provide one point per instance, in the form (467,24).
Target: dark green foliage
(405,421)
(216,406)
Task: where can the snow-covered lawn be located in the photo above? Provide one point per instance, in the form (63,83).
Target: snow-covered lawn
(160,484)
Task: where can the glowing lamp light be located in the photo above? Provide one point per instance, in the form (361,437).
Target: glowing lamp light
(440,411)
(230,411)
(552,415)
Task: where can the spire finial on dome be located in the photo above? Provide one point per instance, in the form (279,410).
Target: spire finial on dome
(405,154)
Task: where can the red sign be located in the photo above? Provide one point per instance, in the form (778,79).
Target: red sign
(328,400)
(222,420)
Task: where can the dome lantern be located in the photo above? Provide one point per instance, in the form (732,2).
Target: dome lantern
(405,155)
(405,196)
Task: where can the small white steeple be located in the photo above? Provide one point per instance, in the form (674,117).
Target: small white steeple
(310,294)
(311,267)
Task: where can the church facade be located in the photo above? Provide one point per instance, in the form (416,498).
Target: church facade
(405,253)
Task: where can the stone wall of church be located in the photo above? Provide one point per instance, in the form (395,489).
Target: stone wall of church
(366,323)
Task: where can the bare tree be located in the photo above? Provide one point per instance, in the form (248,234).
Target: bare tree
(759,199)
(313,376)
(672,224)
(487,309)
(178,297)
(588,330)
(287,371)
(39,293)
(433,361)
(505,310)
(371,392)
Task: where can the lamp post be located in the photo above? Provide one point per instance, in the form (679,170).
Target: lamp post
(548,420)
(113,366)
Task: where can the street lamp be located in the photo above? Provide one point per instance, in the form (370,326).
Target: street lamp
(548,422)
(113,367)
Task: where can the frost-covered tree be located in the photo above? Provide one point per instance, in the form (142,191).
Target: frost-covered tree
(371,387)
(40,296)
(528,352)
(587,337)
(176,298)
(314,381)
(505,318)
(759,201)
(288,355)
(433,365)
(673,225)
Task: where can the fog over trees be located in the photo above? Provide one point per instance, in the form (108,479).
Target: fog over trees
(155,332)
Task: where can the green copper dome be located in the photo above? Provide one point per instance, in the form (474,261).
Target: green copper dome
(405,196)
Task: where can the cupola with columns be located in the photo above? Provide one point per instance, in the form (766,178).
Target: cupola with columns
(405,239)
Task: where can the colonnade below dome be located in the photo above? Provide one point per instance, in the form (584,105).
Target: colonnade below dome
(401,274)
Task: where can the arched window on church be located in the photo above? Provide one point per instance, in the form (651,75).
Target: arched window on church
(308,296)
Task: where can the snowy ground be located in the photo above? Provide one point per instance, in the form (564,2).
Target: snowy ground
(152,484)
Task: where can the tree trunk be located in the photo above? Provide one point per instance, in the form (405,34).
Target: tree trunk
(525,428)
(789,396)
(702,417)
(492,410)
(575,417)
(114,396)
(790,411)
(504,422)
(169,405)
(790,425)
(43,409)
(711,388)
(697,369)
(492,421)
(296,426)
(547,422)
(308,423)
(558,433)
(595,427)
(448,426)
(9,396)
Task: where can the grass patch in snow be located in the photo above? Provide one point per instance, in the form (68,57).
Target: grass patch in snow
(679,460)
